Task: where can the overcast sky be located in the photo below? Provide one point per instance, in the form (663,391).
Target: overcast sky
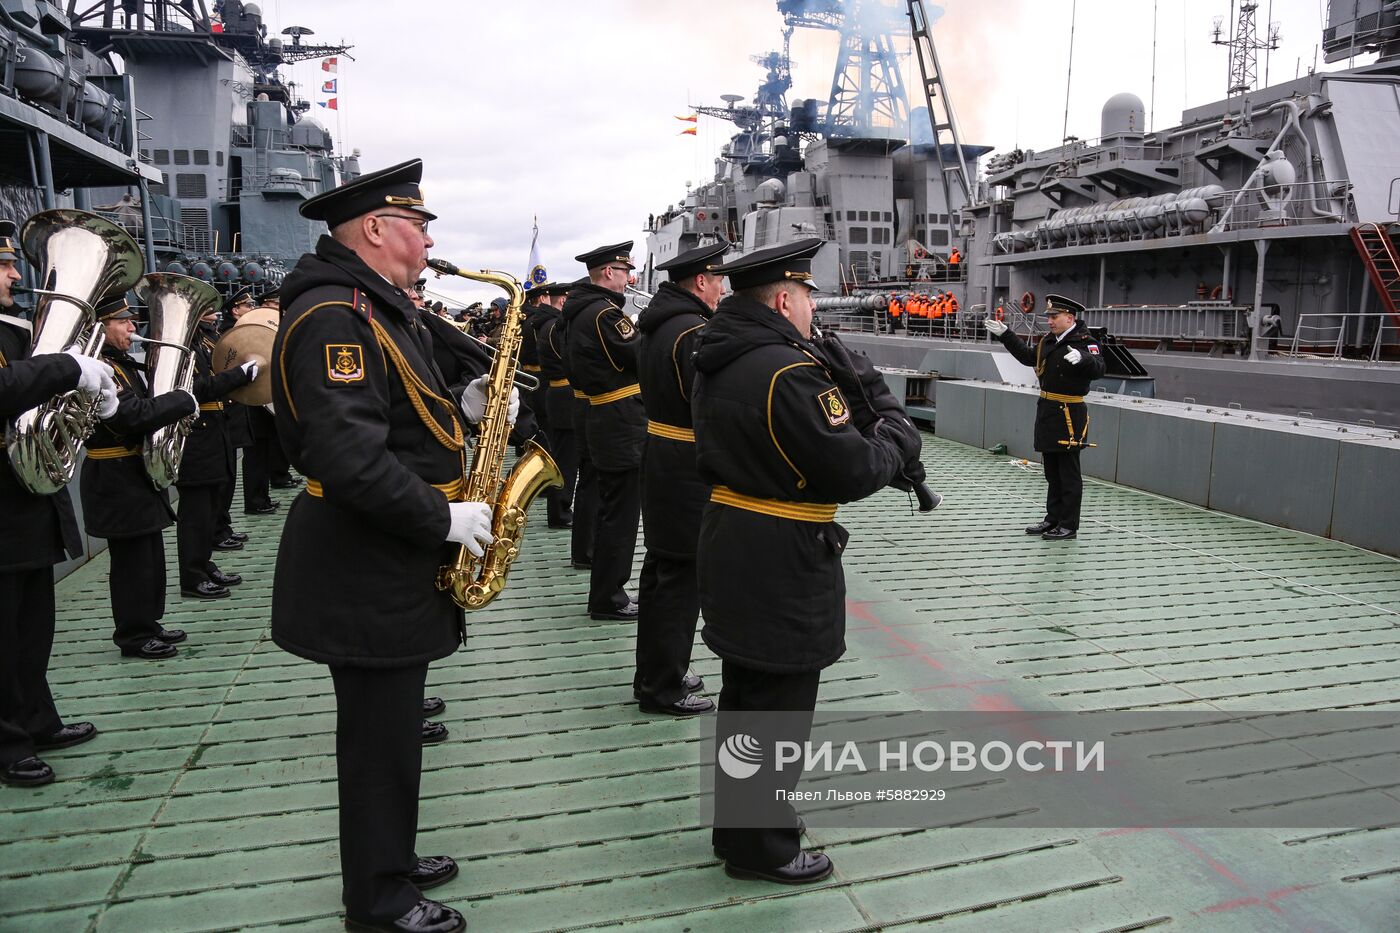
(565,110)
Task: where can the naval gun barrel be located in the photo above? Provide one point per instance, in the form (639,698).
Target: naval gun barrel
(875,302)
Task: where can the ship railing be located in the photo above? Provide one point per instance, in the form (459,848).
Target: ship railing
(869,322)
(1218,323)
(165,233)
(1327,336)
(1316,202)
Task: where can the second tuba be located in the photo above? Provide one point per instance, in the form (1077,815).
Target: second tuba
(175,304)
(79,258)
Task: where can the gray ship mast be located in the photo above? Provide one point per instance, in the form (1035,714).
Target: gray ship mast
(947,143)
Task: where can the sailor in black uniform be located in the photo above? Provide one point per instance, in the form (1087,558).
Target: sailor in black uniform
(205,468)
(1066,361)
(366,416)
(556,399)
(602,365)
(36,532)
(673,495)
(121,504)
(782,445)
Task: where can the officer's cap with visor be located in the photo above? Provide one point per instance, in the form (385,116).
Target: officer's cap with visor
(1059,304)
(693,262)
(791,262)
(114,308)
(395,186)
(603,255)
(9,252)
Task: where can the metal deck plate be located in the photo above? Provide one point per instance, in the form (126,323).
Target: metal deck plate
(208,802)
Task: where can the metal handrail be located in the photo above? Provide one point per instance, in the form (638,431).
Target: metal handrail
(1322,329)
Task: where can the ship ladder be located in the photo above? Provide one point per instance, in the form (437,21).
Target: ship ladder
(1382,261)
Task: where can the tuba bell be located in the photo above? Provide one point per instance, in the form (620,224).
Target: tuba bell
(175,303)
(79,259)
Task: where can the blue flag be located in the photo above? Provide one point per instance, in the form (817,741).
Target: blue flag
(536,275)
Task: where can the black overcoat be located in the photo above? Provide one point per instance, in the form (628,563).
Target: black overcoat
(1060,425)
(601,360)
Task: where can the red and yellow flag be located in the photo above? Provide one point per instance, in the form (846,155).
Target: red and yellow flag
(690,119)
(690,131)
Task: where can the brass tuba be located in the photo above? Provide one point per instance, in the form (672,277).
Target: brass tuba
(175,303)
(475,581)
(79,259)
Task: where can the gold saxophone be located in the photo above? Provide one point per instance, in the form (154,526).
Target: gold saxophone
(475,581)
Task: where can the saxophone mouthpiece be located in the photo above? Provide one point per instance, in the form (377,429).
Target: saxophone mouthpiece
(442,267)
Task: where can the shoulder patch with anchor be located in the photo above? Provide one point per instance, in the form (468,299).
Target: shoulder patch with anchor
(345,362)
(834,407)
(625,329)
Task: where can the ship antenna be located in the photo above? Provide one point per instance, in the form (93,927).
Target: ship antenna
(1069,69)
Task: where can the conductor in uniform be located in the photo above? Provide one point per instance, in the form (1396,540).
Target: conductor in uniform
(601,350)
(673,495)
(36,532)
(121,504)
(366,417)
(1066,361)
(782,446)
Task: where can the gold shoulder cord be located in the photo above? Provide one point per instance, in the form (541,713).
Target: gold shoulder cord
(416,389)
(1040,363)
(1069,429)
(3,362)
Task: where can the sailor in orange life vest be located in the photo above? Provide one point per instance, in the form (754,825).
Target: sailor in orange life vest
(1066,361)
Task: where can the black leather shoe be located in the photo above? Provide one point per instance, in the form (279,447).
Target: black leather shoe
(75,733)
(581,564)
(434,706)
(692,682)
(262,509)
(155,649)
(171,636)
(432,871)
(801,831)
(688,705)
(426,917)
(205,589)
(433,732)
(290,483)
(224,579)
(1039,528)
(228,544)
(238,536)
(27,772)
(806,868)
(1059,534)
(627,613)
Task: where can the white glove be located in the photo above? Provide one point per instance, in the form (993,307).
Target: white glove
(471,526)
(1073,356)
(106,404)
(995,327)
(514,405)
(193,401)
(474,399)
(251,368)
(94,375)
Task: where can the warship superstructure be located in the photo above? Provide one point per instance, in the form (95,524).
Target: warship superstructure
(1246,254)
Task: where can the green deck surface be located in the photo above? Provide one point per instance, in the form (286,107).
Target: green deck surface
(208,802)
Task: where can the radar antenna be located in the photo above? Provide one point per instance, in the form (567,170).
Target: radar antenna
(1245,46)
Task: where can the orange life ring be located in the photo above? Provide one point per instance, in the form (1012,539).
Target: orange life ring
(920,253)
(1028,302)
(1215,293)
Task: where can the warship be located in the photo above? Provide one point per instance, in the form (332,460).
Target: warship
(208,801)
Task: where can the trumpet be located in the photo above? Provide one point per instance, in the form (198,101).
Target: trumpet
(640,297)
(528,381)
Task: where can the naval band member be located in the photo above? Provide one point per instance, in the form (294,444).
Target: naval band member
(121,504)
(556,399)
(366,417)
(673,495)
(601,347)
(36,532)
(782,446)
(1066,361)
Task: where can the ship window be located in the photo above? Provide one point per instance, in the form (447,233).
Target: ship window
(938,237)
(197,233)
(859,258)
(190,185)
(856,235)
(182,157)
(880,235)
(864,215)
(145,155)
(201,157)
(850,215)
(162,157)
(219,158)
(888,217)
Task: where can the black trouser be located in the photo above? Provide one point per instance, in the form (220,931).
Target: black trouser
(257,494)
(223,521)
(27,711)
(136,581)
(278,467)
(378,760)
(585,508)
(560,501)
(745,689)
(668,599)
(1066,490)
(196,517)
(615,539)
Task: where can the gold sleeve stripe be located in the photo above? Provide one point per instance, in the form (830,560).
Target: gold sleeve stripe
(671,431)
(772,385)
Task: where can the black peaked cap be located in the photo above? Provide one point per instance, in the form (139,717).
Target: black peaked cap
(1054,303)
(617,252)
(395,186)
(692,262)
(790,262)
